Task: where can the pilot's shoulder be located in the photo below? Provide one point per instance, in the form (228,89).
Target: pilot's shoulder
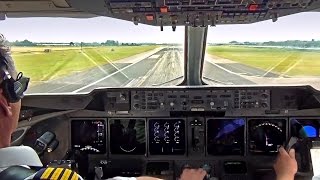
(55,174)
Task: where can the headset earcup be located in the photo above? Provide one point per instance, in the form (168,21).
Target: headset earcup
(9,92)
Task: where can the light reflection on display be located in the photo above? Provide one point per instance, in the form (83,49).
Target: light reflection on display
(305,127)
(225,136)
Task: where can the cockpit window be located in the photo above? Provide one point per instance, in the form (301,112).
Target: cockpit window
(65,55)
(286,52)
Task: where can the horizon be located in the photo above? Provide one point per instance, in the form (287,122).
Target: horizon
(300,26)
(93,42)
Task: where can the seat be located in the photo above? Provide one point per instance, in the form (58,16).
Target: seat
(15,162)
(16,173)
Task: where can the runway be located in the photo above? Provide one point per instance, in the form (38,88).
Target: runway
(159,67)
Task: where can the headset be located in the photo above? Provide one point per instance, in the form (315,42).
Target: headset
(13,89)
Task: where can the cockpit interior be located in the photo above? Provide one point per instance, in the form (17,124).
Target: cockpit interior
(230,131)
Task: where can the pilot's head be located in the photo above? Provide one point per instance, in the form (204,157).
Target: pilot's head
(9,110)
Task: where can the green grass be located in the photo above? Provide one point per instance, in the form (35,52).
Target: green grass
(284,61)
(40,66)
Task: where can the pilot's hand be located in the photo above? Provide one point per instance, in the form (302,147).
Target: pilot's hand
(286,165)
(193,174)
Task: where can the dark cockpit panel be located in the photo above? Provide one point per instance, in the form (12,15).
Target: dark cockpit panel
(230,132)
(196,13)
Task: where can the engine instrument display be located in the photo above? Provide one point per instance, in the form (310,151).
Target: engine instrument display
(266,135)
(89,136)
(305,127)
(127,136)
(167,136)
(225,136)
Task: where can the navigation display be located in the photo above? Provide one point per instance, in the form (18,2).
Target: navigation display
(167,136)
(266,135)
(127,136)
(89,136)
(305,127)
(225,136)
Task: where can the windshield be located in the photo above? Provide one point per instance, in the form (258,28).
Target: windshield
(65,55)
(286,52)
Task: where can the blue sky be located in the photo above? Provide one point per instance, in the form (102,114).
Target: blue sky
(304,26)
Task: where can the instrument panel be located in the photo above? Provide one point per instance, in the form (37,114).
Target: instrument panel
(197,13)
(231,132)
(170,136)
(199,100)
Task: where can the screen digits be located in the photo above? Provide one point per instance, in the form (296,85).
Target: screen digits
(167,136)
(89,136)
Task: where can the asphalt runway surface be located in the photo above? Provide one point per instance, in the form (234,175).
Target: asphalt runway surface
(161,67)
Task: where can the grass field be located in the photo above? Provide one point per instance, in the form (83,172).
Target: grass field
(292,62)
(41,66)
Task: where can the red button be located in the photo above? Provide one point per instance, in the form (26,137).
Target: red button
(149,17)
(253,7)
(164,9)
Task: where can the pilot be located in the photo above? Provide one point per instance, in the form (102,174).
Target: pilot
(285,165)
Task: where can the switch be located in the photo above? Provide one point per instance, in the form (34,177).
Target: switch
(174,27)
(161,29)
(187,21)
(149,17)
(225,103)
(164,9)
(274,17)
(135,20)
(123,96)
(174,20)
(253,7)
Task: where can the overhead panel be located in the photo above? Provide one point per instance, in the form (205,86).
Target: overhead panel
(164,12)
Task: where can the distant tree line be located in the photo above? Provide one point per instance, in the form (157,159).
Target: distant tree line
(23,43)
(291,43)
(83,44)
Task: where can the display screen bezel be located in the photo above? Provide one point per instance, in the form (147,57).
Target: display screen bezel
(185,137)
(104,120)
(309,118)
(227,118)
(265,118)
(128,154)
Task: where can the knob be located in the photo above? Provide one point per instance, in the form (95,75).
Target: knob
(123,96)
(264,96)
(136,96)
(98,172)
(171,104)
(136,106)
(264,105)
